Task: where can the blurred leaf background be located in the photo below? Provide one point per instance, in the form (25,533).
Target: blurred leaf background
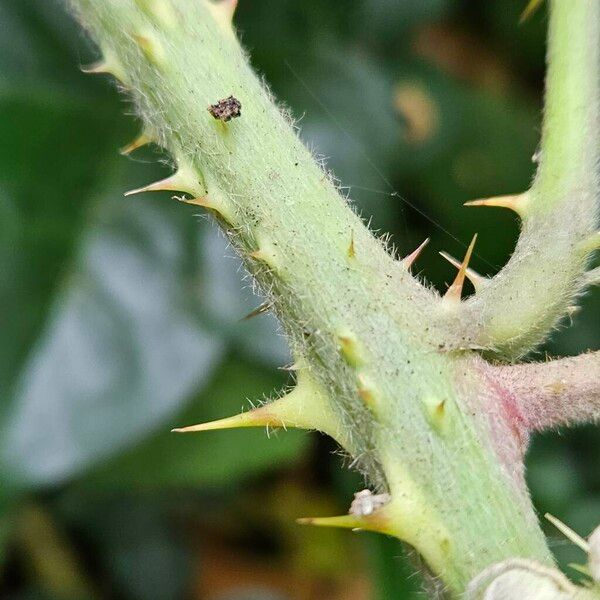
(121,318)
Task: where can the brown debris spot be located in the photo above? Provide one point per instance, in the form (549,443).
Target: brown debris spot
(226,109)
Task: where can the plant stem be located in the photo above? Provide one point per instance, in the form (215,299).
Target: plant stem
(376,350)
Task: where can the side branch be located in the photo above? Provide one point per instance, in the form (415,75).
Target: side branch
(555,393)
(514,311)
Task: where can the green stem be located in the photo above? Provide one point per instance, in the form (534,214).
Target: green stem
(424,423)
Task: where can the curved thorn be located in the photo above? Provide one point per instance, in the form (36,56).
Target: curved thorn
(183,180)
(408,261)
(141,140)
(454,292)
(478,281)
(108,65)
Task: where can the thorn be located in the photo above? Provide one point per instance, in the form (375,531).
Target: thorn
(293,367)
(223,12)
(141,140)
(183,180)
(305,407)
(107,65)
(529,10)
(343,521)
(516,202)
(568,532)
(263,308)
(436,413)
(210,202)
(349,349)
(408,261)
(478,281)
(367,512)
(151,48)
(454,292)
(265,254)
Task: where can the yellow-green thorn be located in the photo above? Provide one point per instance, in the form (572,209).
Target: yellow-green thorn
(367,512)
(408,260)
(142,139)
(454,292)
(183,180)
(478,281)
(305,407)
(436,411)
(212,202)
(516,202)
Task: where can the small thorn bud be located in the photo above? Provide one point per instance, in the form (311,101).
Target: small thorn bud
(454,292)
(517,202)
(351,248)
(436,412)
(266,255)
(151,47)
(350,349)
(408,261)
(183,180)
(478,281)
(366,391)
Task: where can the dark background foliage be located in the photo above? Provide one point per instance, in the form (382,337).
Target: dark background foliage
(121,318)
